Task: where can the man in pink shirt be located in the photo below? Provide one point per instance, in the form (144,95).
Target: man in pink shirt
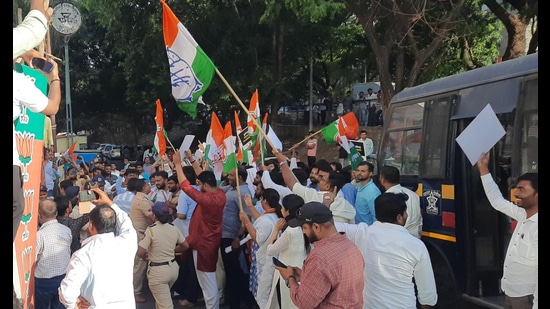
(311,149)
(332,274)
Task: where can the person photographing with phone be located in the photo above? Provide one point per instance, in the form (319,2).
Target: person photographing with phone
(100,273)
(27,95)
(332,274)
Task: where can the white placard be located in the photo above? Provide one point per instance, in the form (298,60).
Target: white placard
(481,134)
(187,140)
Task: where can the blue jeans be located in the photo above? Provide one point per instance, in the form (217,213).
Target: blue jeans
(45,293)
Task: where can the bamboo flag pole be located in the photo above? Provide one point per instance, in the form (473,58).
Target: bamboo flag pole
(238,188)
(245,109)
(166,136)
(305,139)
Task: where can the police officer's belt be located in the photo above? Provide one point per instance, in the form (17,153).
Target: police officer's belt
(161,263)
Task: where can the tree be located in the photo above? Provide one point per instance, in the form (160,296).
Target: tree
(517,16)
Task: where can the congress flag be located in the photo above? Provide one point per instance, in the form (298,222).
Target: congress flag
(254,109)
(230,159)
(330,132)
(342,138)
(68,154)
(160,140)
(214,146)
(191,70)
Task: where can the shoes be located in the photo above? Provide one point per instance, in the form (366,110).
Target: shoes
(185,303)
(139,298)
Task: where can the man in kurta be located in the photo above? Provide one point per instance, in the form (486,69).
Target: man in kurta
(205,228)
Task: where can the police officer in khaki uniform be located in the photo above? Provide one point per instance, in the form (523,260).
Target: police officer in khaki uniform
(142,217)
(159,245)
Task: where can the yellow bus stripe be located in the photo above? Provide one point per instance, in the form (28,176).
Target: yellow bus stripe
(439,236)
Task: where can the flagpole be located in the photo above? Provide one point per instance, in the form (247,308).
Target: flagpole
(238,188)
(305,139)
(174,148)
(244,108)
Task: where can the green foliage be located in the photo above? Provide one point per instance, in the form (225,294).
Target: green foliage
(119,67)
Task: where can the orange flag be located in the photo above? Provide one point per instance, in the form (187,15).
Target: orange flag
(160,141)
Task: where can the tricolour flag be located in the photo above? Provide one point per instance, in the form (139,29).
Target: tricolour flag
(214,146)
(260,148)
(330,132)
(254,109)
(342,138)
(68,154)
(191,70)
(160,140)
(230,159)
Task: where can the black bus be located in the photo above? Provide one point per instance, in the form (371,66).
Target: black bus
(466,237)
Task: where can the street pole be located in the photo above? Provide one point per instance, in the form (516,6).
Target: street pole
(311,94)
(69,113)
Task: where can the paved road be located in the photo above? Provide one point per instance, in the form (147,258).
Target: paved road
(150,304)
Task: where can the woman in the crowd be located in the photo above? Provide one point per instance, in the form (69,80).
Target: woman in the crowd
(291,246)
(261,267)
(159,244)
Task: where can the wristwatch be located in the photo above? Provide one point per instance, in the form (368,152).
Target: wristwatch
(328,198)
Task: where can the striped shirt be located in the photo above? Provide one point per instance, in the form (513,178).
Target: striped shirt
(332,276)
(53,249)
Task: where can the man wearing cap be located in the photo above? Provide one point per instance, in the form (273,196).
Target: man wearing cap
(332,274)
(159,244)
(100,182)
(43,193)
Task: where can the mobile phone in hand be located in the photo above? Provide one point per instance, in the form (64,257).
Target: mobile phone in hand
(278,263)
(42,64)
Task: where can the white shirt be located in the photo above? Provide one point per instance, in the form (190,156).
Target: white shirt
(268,183)
(264,269)
(414,219)
(29,33)
(158,195)
(25,95)
(342,210)
(102,270)
(291,250)
(520,276)
(393,257)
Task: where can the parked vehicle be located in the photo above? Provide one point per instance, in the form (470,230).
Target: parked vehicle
(465,236)
(115,152)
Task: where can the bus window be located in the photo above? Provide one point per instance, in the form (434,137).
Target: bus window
(530,128)
(401,145)
(434,152)
(407,116)
(411,151)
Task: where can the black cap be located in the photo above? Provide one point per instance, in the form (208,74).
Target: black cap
(312,212)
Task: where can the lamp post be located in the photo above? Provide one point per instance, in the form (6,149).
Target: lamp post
(66,20)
